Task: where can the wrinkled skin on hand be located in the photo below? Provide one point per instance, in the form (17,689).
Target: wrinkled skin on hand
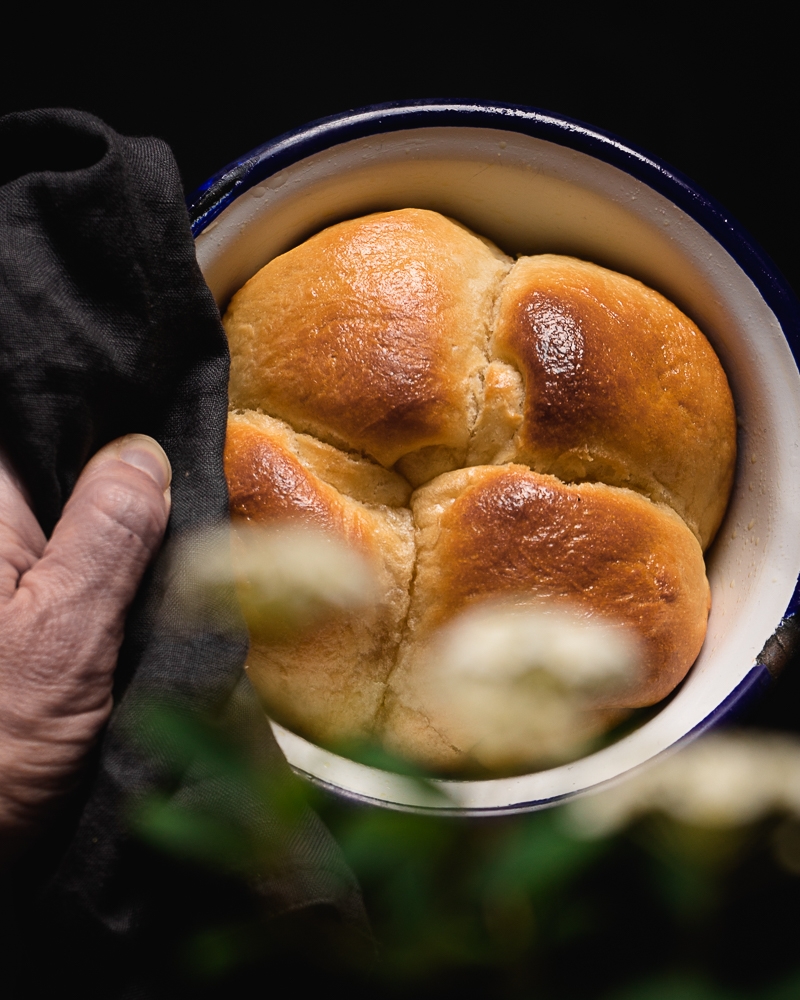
(63,603)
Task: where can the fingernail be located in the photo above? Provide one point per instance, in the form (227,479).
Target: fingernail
(146,453)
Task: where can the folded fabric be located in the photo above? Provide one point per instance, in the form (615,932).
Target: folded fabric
(107,328)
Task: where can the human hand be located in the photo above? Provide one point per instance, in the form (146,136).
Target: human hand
(62,612)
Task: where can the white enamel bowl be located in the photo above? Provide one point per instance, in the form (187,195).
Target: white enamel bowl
(533,183)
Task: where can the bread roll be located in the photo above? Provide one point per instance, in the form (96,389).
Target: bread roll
(560,433)
(372,336)
(508,532)
(620,387)
(330,683)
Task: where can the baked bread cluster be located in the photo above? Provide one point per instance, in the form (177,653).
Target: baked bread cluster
(477,427)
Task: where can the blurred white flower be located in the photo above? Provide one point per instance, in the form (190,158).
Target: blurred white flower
(724,779)
(517,683)
(285,578)
(496,644)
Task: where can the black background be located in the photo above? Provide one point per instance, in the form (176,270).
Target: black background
(715,96)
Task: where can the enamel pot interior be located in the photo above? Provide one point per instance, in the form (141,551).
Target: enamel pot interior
(530,195)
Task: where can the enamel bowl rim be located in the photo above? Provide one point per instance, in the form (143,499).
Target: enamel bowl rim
(238,177)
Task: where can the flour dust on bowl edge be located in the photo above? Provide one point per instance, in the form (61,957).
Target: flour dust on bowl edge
(535,183)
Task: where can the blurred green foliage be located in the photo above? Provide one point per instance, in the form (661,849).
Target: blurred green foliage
(225,836)
(517,906)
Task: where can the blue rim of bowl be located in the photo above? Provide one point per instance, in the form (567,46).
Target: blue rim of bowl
(233,180)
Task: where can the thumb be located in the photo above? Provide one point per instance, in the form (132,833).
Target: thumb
(111,527)
(112,524)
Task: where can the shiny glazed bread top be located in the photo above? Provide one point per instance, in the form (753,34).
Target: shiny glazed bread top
(400,382)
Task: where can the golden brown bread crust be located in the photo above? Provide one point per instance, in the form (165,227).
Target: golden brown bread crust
(508,532)
(404,337)
(621,387)
(371,335)
(330,684)
(493,530)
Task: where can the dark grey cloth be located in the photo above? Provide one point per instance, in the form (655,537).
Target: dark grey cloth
(107,328)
